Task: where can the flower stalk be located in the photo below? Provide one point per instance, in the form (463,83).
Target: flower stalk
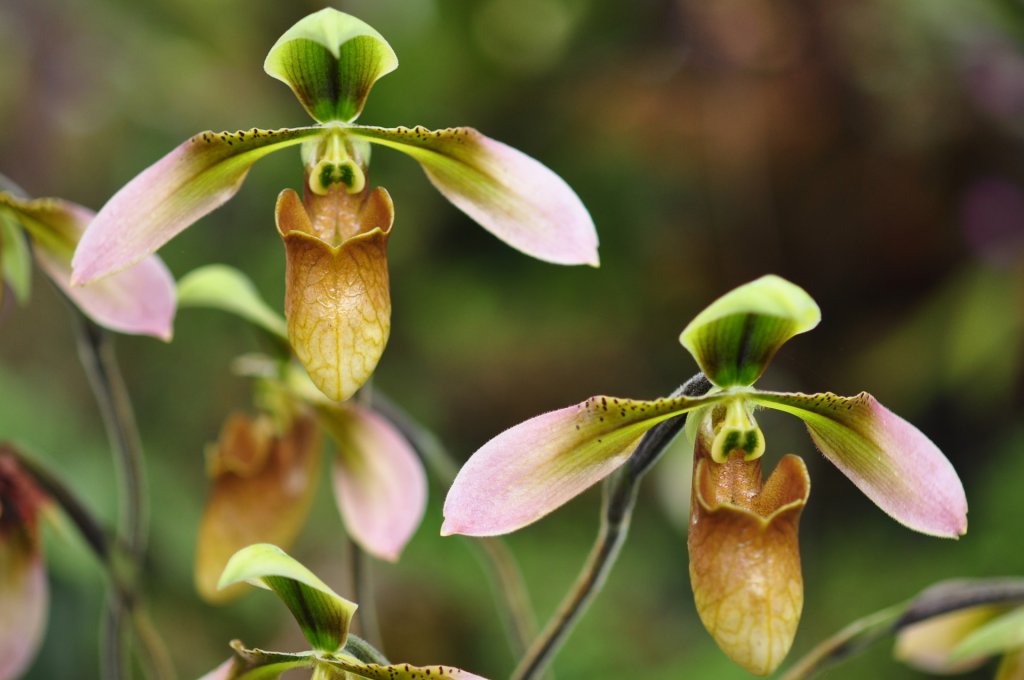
(96,352)
(618,500)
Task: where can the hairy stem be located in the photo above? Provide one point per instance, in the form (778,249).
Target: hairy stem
(618,500)
(495,558)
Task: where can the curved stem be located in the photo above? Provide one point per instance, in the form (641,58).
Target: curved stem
(618,500)
(495,558)
(96,352)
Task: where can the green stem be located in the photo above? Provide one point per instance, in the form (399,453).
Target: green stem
(618,501)
(361,565)
(853,638)
(364,651)
(96,352)
(497,561)
(363,593)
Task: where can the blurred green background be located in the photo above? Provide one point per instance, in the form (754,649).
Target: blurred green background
(870,150)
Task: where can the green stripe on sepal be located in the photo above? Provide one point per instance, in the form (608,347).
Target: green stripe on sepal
(323,615)
(331,61)
(735,338)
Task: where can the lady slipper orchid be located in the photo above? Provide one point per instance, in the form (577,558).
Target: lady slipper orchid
(744,558)
(324,617)
(962,640)
(336,265)
(138,300)
(23,588)
(264,470)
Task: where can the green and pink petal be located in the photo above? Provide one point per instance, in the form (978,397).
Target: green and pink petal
(537,466)
(191,181)
(139,300)
(510,194)
(379,483)
(890,460)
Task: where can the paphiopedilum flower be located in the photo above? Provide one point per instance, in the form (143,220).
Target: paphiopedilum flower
(324,617)
(23,589)
(331,61)
(137,300)
(264,469)
(962,640)
(744,560)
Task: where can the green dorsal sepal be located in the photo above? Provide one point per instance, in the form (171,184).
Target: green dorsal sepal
(735,338)
(331,61)
(323,615)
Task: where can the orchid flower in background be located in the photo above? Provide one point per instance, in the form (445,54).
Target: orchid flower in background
(744,557)
(264,469)
(138,300)
(324,617)
(963,640)
(23,588)
(337,299)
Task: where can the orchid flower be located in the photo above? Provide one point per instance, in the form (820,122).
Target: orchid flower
(264,469)
(138,300)
(337,299)
(324,617)
(744,558)
(23,588)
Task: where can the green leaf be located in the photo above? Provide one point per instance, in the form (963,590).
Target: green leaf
(219,286)
(735,338)
(15,259)
(331,61)
(323,615)
(998,635)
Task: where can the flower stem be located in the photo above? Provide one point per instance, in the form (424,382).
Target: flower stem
(363,593)
(497,561)
(618,500)
(96,352)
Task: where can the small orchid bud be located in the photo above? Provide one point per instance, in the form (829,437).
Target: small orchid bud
(264,482)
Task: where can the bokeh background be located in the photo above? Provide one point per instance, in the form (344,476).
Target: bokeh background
(870,150)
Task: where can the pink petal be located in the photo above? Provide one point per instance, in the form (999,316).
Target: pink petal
(222,672)
(139,300)
(24,594)
(513,196)
(536,467)
(379,483)
(890,460)
(168,196)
